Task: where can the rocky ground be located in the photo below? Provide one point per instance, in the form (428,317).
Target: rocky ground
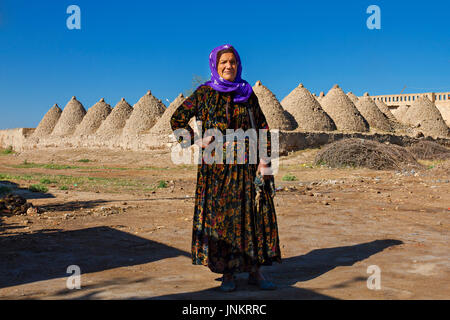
(125,218)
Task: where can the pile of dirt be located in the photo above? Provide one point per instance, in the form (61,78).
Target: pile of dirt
(306,110)
(116,120)
(145,113)
(400,112)
(369,110)
(162,126)
(365,153)
(272,109)
(343,111)
(352,97)
(14,204)
(429,150)
(93,118)
(71,117)
(426,118)
(48,122)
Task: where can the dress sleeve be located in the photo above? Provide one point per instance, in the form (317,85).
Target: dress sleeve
(261,122)
(180,118)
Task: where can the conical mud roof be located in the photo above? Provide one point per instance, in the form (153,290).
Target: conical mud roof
(385,109)
(271,108)
(352,97)
(445,112)
(343,111)
(94,118)
(162,126)
(71,117)
(400,113)
(146,112)
(369,110)
(424,116)
(321,96)
(387,112)
(116,120)
(306,110)
(48,122)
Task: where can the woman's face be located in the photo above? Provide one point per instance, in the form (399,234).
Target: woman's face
(227,66)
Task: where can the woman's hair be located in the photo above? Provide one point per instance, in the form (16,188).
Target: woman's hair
(219,54)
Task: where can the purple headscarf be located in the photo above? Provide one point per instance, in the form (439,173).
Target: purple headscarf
(242,88)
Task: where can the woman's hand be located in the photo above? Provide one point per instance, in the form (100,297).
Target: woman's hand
(265,170)
(204,142)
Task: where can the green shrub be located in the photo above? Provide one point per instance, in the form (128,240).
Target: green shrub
(38,188)
(58,166)
(47,181)
(8,150)
(64,188)
(289,177)
(84,160)
(162,184)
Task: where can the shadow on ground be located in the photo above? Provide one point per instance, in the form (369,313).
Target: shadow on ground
(14,188)
(73,205)
(45,255)
(298,269)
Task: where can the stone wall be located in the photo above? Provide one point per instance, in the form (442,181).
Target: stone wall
(128,142)
(16,138)
(288,140)
(292,141)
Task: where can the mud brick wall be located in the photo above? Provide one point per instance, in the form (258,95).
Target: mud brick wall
(289,141)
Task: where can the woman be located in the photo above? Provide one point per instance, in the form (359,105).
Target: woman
(229,235)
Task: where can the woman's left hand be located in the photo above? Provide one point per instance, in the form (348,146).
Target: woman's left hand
(265,170)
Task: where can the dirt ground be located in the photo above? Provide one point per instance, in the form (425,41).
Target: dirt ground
(125,218)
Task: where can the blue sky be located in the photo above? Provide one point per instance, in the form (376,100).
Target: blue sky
(125,48)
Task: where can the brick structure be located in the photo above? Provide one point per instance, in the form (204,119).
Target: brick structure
(440,99)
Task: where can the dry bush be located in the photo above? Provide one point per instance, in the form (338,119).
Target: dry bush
(365,153)
(429,150)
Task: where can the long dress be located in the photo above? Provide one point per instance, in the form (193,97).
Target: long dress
(228,236)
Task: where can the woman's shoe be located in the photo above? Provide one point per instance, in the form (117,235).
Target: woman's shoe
(228,285)
(263,284)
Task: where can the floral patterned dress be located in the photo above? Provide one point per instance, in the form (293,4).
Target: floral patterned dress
(229,235)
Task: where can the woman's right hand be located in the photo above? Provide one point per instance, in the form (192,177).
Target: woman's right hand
(204,142)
